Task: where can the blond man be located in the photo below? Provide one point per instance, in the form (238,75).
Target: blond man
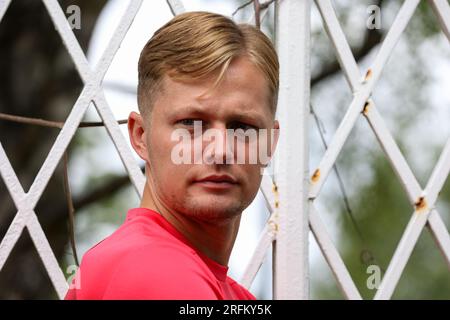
(200,73)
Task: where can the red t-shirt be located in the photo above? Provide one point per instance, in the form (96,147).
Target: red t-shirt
(147,258)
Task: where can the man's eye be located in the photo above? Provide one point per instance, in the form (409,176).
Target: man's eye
(241,125)
(189,122)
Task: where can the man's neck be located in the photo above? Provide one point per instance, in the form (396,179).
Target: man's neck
(215,240)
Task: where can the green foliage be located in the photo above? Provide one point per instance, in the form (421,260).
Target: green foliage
(424,23)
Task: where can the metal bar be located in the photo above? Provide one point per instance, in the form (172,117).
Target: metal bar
(439,175)
(15,189)
(4,4)
(114,44)
(175,6)
(266,238)
(388,144)
(332,256)
(339,41)
(27,217)
(61,143)
(407,179)
(350,68)
(48,258)
(113,129)
(91,92)
(361,96)
(291,245)
(266,190)
(10,178)
(401,255)
(58,17)
(442,10)
(415,226)
(263,15)
(28,201)
(440,234)
(393,153)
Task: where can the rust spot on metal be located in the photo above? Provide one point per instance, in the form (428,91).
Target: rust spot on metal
(368,74)
(366,107)
(277,204)
(275,188)
(421,204)
(273,225)
(315,177)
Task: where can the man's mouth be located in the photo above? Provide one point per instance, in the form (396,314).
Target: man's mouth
(217,181)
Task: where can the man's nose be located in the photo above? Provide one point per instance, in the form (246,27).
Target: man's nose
(220,149)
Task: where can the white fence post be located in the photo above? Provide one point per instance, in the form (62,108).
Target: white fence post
(291,280)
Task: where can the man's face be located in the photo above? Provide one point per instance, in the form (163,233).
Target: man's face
(239,102)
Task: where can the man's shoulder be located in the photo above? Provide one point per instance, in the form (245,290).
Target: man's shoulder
(130,250)
(115,250)
(138,234)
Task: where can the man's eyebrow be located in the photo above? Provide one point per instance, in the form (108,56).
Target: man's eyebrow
(189,110)
(248,116)
(200,111)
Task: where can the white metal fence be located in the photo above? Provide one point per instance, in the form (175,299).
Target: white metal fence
(291,200)
(422,201)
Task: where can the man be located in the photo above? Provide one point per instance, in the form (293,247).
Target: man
(199,73)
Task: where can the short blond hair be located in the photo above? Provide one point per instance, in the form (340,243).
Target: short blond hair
(197,44)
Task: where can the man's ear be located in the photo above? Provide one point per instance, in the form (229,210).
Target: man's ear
(136,131)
